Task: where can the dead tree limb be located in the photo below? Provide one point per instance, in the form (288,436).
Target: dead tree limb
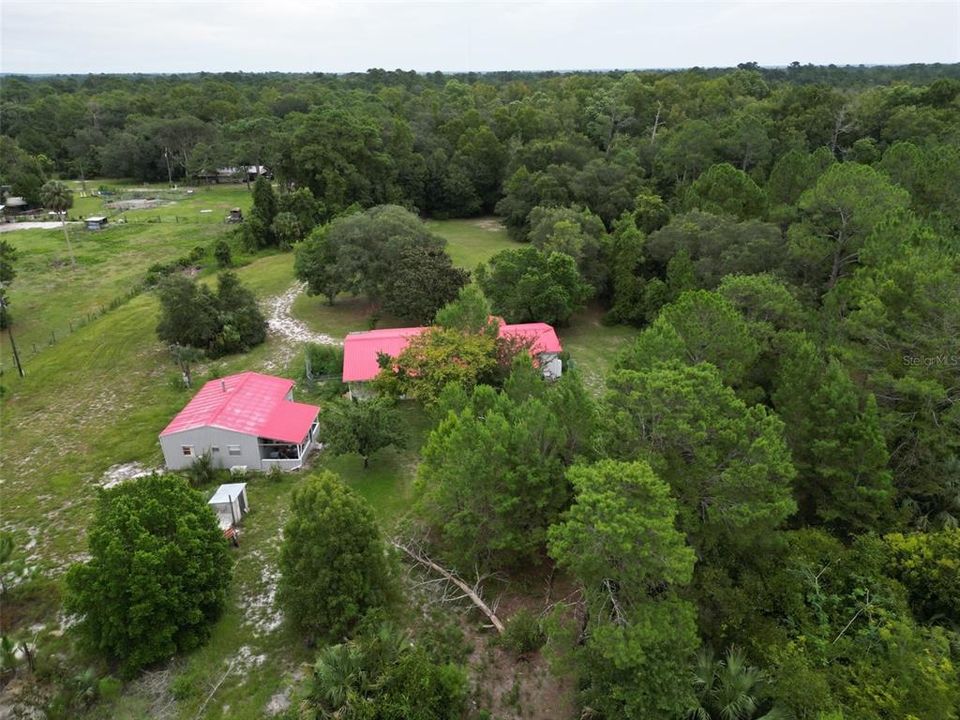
(215,688)
(471,593)
(619,617)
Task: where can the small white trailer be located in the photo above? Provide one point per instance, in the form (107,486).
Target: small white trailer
(230,503)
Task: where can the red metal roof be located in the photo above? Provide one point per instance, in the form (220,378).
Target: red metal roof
(248,403)
(542,337)
(360,349)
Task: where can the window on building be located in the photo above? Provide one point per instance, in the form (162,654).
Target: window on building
(233,449)
(214,448)
(187,450)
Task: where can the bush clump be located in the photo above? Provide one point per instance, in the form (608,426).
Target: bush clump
(523,633)
(158,573)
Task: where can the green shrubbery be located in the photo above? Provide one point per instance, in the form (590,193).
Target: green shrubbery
(158,573)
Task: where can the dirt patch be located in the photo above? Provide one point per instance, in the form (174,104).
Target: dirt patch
(117,474)
(291,332)
(135,204)
(247,659)
(504,685)
(525,687)
(281,701)
(260,605)
(490,224)
(515,689)
(278,703)
(11,227)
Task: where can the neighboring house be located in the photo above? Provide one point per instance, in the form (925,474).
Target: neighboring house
(247,173)
(220,175)
(255,171)
(361,351)
(246,420)
(96,223)
(14,205)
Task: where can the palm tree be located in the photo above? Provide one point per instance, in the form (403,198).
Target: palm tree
(347,677)
(56,196)
(730,689)
(339,681)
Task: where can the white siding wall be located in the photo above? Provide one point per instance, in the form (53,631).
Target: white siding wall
(204,440)
(551,365)
(225,516)
(361,390)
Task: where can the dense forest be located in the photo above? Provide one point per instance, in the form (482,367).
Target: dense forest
(761,509)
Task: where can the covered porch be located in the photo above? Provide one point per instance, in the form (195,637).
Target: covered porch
(285,454)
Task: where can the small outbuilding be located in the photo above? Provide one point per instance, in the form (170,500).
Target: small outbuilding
(96,222)
(14,205)
(230,504)
(248,420)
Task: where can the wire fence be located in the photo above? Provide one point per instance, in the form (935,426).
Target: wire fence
(30,349)
(116,204)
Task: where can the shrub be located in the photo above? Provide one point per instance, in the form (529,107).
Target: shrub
(383,673)
(158,573)
(218,323)
(333,568)
(222,254)
(325,359)
(201,472)
(523,633)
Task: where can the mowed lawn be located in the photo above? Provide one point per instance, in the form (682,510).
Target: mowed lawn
(472,241)
(49,298)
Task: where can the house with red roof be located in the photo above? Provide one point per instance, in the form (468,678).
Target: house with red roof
(245,420)
(361,350)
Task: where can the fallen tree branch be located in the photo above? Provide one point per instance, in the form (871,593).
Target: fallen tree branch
(214,691)
(470,593)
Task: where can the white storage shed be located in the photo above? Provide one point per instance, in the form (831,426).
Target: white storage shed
(230,504)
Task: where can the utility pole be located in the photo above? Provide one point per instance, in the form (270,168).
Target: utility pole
(13,343)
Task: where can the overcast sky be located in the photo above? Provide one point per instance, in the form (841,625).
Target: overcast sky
(41,36)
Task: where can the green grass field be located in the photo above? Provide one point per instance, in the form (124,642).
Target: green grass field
(472,241)
(98,397)
(49,299)
(207,204)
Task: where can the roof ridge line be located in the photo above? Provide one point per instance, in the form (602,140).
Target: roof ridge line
(245,375)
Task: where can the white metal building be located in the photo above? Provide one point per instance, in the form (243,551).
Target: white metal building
(246,420)
(230,504)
